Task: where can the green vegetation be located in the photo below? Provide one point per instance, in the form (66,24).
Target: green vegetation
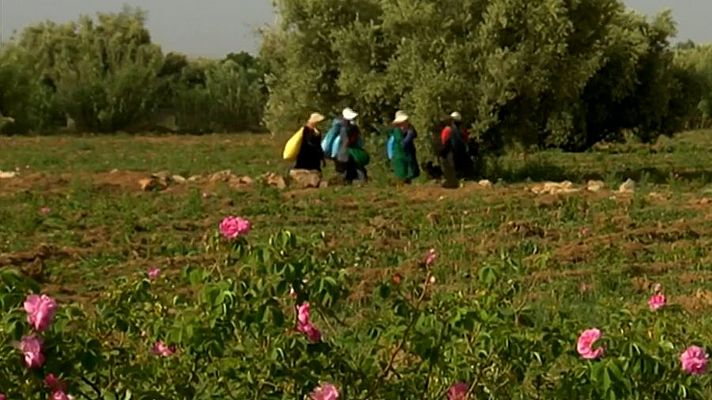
(554,74)
(549,74)
(518,276)
(413,292)
(105,75)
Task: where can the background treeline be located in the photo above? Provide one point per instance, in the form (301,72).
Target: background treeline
(105,75)
(550,73)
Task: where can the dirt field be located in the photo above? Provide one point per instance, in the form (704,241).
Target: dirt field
(75,216)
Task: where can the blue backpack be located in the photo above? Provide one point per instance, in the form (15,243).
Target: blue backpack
(390,146)
(332,140)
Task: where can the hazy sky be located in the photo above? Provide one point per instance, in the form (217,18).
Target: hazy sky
(217,27)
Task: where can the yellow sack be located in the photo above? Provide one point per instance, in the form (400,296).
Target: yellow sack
(291,149)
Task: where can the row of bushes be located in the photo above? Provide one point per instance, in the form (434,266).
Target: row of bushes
(105,75)
(547,74)
(278,320)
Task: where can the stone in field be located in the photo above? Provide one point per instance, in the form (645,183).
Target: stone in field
(304,179)
(554,188)
(152,184)
(240,182)
(274,180)
(595,186)
(627,187)
(222,176)
(165,175)
(163,178)
(178,179)
(485,183)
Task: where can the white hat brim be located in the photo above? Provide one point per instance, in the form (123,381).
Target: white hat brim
(349,115)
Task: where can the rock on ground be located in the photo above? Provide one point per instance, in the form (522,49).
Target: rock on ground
(274,180)
(627,186)
(163,178)
(152,184)
(240,182)
(7,175)
(554,188)
(485,183)
(595,186)
(178,179)
(304,179)
(222,176)
(165,175)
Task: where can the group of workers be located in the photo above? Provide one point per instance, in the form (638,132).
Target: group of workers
(342,143)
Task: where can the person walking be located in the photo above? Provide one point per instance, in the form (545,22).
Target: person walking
(455,158)
(311,155)
(351,158)
(405,160)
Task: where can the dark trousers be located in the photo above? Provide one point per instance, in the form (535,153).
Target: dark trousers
(351,171)
(449,172)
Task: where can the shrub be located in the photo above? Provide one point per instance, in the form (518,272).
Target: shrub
(279,320)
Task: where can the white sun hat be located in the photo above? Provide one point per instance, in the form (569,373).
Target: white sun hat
(349,114)
(401,117)
(456,116)
(315,118)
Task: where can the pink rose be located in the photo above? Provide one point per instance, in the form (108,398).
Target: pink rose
(458,391)
(45,210)
(154,273)
(694,360)
(54,383)
(2,397)
(162,349)
(585,344)
(430,257)
(326,391)
(304,324)
(60,395)
(311,332)
(234,227)
(656,302)
(40,311)
(303,313)
(31,347)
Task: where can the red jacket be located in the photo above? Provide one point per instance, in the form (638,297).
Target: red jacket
(445,135)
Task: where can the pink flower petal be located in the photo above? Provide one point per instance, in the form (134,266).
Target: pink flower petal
(694,360)
(585,344)
(234,227)
(326,391)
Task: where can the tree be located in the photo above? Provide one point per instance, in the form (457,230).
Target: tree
(219,96)
(103,73)
(26,102)
(534,73)
(696,62)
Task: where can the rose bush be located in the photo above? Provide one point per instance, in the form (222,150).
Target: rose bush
(283,319)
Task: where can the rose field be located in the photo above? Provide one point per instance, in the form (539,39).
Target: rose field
(139,267)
